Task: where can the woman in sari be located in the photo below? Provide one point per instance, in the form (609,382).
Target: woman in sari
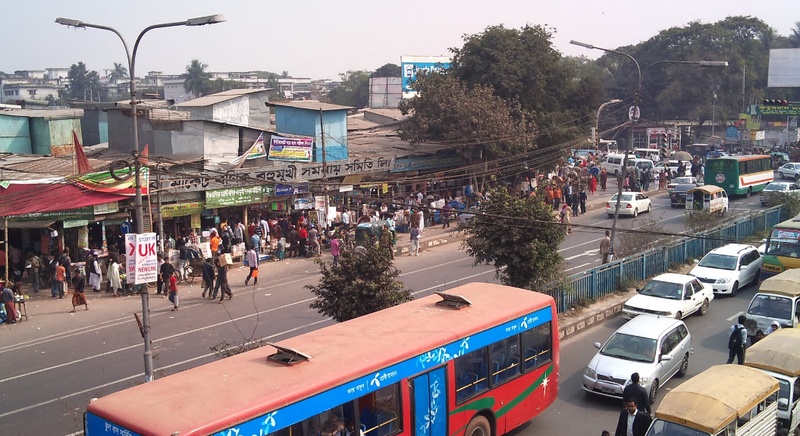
(78,297)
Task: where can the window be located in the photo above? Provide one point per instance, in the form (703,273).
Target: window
(472,374)
(505,360)
(379,412)
(688,291)
(536,346)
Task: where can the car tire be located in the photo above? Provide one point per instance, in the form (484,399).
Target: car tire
(649,207)
(479,426)
(734,289)
(684,366)
(653,392)
(797,177)
(635,212)
(679,315)
(703,307)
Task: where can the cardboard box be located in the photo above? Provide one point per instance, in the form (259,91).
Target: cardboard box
(225,259)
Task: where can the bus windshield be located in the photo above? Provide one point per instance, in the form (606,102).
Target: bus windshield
(784,242)
(666,428)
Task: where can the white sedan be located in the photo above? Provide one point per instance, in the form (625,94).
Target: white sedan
(790,170)
(682,181)
(673,295)
(632,203)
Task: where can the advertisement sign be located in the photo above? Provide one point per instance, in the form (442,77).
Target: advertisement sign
(427,162)
(284,190)
(179,209)
(290,149)
(141,262)
(412,65)
(236,196)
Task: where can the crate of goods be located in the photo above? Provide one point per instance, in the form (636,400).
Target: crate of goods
(225,259)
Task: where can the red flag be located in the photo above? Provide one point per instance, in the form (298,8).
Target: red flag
(80,156)
(143,155)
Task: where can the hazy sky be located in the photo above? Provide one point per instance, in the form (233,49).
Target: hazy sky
(322,38)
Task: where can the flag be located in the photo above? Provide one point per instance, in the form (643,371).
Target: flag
(80,156)
(255,151)
(144,154)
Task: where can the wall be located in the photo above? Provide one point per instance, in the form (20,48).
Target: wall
(94,125)
(54,137)
(15,136)
(385,92)
(234,111)
(305,122)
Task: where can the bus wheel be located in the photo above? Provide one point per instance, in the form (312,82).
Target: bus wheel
(479,426)
(749,192)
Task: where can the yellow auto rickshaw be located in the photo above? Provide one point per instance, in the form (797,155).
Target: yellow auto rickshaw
(707,198)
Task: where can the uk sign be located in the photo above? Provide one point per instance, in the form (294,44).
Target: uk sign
(141,263)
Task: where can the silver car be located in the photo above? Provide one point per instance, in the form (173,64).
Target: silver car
(658,348)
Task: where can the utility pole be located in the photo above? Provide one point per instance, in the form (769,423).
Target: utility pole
(324,167)
(160,217)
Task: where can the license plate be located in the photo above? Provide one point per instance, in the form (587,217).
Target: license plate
(607,390)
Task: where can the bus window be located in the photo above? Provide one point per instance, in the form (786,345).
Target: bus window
(378,412)
(472,374)
(505,359)
(536,346)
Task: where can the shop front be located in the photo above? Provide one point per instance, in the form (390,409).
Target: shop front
(234,205)
(178,219)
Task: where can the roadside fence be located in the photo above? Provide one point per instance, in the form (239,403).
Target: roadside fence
(606,279)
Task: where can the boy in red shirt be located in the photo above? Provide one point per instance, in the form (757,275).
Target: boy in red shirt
(173,291)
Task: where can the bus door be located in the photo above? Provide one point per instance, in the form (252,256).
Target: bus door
(429,403)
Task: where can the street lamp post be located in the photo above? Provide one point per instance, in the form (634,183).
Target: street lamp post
(597,123)
(200,21)
(634,113)
(713,114)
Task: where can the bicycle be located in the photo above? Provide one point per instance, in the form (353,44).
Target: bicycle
(188,273)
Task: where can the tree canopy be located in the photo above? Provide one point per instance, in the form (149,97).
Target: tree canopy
(196,79)
(362,283)
(387,70)
(352,91)
(84,84)
(519,236)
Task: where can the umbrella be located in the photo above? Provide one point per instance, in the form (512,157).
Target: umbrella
(682,155)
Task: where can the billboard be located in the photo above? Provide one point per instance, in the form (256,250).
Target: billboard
(411,65)
(784,63)
(290,149)
(141,262)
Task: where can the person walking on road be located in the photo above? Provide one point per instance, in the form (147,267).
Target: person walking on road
(414,241)
(222,282)
(252,262)
(603,179)
(208,278)
(737,341)
(173,292)
(638,393)
(605,248)
(566,211)
(335,250)
(631,422)
(78,295)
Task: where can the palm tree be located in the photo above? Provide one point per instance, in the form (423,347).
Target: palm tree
(119,72)
(196,78)
(794,38)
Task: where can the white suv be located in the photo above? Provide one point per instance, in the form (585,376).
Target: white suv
(729,268)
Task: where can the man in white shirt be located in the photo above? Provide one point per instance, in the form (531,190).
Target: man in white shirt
(632,423)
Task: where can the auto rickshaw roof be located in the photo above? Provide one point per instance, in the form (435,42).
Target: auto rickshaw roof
(778,352)
(786,283)
(707,189)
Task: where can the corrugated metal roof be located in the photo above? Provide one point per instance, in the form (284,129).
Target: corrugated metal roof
(219,97)
(311,105)
(55,114)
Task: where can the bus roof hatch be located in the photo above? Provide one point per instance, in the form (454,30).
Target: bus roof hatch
(452,300)
(287,356)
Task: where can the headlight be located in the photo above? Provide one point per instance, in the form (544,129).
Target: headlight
(592,374)
(723,281)
(643,380)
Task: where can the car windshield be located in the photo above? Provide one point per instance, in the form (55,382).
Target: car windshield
(718,261)
(657,288)
(771,306)
(630,347)
(666,428)
(776,187)
(680,180)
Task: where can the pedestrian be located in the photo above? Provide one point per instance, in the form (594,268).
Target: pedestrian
(173,292)
(447,211)
(208,278)
(414,232)
(167,271)
(592,184)
(214,242)
(631,422)
(582,198)
(7,298)
(282,248)
(114,282)
(603,179)
(252,262)
(183,257)
(335,244)
(222,282)
(95,275)
(302,240)
(737,341)
(638,393)
(61,279)
(576,202)
(255,240)
(775,326)
(238,233)
(294,249)
(78,295)
(566,211)
(313,240)
(605,248)
(67,262)
(35,271)
(386,241)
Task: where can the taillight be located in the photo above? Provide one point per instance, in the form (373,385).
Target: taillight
(628,206)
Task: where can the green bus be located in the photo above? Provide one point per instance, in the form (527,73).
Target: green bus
(782,250)
(739,175)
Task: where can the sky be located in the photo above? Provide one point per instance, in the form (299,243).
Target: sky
(321,39)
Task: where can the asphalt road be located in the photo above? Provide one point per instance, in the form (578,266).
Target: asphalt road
(53,364)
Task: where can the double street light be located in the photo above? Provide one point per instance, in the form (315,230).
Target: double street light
(633,113)
(131,57)
(596,137)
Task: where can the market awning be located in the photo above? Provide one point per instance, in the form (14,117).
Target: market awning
(26,224)
(21,199)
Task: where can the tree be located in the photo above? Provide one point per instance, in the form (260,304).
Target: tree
(387,70)
(119,72)
(519,236)
(362,283)
(352,91)
(84,84)
(446,110)
(196,79)
(220,85)
(794,38)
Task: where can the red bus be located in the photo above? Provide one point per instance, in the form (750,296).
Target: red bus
(479,360)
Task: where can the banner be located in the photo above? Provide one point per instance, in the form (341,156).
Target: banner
(141,262)
(290,149)
(257,149)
